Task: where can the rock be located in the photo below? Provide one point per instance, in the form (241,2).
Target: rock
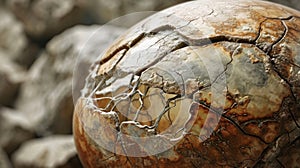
(129,6)
(43,18)
(81,45)
(53,151)
(108,10)
(13,129)
(291,3)
(4,161)
(13,40)
(11,76)
(14,43)
(46,96)
(291,154)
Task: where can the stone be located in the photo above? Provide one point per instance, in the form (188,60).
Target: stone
(11,76)
(105,11)
(14,43)
(4,161)
(13,40)
(14,129)
(43,19)
(46,96)
(291,3)
(200,84)
(52,151)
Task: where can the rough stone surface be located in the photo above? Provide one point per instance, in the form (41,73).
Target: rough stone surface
(11,76)
(42,18)
(46,96)
(14,44)
(26,26)
(201,84)
(14,129)
(13,40)
(4,161)
(291,3)
(105,11)
(52,151)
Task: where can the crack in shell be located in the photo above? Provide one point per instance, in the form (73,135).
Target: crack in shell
(184,43)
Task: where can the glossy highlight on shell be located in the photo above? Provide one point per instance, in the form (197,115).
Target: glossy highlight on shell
(201,84)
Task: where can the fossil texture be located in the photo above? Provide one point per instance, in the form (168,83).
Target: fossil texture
(201,84)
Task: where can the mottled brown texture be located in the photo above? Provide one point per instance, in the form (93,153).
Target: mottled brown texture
(216,81)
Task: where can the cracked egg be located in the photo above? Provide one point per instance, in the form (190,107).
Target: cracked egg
(201,84)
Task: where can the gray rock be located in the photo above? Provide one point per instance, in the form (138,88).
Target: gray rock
(11,76)
(13,129)
(4,161)
(46,96)
(108,10)
(43,18)
(105,11)
(291,3)
(14,43)
(13,40)
(53,151)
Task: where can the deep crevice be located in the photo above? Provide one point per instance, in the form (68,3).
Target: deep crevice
(280,38)
(279,162)
(230,120)
(154,62)
(294,118)
(243,131)
(275,154)
(201,42)
(126,46)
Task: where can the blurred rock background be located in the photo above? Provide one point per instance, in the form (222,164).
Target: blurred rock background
(40,42)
